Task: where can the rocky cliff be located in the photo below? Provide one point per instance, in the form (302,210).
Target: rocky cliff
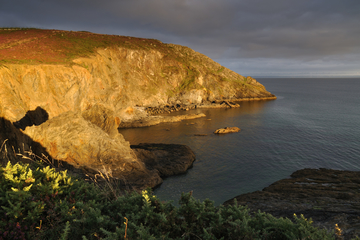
(69,91)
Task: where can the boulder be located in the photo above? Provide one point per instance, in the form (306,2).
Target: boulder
(227,130)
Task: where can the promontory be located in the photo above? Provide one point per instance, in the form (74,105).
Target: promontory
(63,95)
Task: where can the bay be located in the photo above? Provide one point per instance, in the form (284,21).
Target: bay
(313,123)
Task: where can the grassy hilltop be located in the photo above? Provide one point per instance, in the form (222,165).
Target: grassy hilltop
(38,46)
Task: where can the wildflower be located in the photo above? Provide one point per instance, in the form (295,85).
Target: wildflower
(337,230)
(146,197)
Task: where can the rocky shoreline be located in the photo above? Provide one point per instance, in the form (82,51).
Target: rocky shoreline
(154,120)
(327,196)
(225,103)
(182,107)
(149,116)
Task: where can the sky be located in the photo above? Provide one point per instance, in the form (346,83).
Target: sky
(259,38)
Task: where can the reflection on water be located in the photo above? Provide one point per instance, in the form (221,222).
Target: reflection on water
(314,123)
(183,132)
(216,155)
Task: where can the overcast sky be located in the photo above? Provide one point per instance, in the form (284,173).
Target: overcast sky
(260,38)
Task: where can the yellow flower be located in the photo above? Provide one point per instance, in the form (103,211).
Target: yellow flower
(145,195)
(337,230)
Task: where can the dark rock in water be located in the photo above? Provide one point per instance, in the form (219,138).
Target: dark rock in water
(327,196)
(168,159)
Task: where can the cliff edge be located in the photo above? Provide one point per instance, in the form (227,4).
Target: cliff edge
(69,91)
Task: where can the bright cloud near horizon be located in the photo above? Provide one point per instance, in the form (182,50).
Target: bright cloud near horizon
(260,38)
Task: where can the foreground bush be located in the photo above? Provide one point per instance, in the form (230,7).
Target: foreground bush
(44,204)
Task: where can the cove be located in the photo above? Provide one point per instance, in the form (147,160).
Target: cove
(217,156)
(312,124)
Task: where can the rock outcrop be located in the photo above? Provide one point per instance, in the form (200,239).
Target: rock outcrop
(70,91)
(327,196)
(153,120)
(227,130)
(127,75)
(167,159)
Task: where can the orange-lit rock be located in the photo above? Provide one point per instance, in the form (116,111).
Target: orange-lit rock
(72,102)
(227,130)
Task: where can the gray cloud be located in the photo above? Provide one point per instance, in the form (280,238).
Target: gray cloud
(314,35)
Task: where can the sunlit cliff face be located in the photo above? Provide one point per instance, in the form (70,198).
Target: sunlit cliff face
(86,98)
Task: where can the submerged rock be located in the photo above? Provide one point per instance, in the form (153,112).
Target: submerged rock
(327,196)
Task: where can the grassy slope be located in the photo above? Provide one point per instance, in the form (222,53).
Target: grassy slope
(37,46)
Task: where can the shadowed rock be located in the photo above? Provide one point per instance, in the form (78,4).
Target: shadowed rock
(35,117)
(168,159)
(327,196)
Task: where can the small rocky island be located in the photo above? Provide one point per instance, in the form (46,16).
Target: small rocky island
(227,130)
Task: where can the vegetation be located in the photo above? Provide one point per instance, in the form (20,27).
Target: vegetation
(40,203)
(34,46)
(189,80)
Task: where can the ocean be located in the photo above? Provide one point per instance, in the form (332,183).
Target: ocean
(313,123)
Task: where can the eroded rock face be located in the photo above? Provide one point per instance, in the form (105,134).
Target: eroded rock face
(69,137)
(121,79)
(327,196)
(74,109)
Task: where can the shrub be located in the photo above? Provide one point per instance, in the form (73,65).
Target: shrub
(37,203)
(44,204)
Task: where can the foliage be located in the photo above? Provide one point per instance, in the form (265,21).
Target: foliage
(44,204)
(189,81)
(37,46)
(38,202)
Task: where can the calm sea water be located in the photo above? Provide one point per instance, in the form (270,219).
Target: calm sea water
(314,123)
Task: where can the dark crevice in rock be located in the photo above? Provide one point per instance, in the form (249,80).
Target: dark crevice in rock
(34,117)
